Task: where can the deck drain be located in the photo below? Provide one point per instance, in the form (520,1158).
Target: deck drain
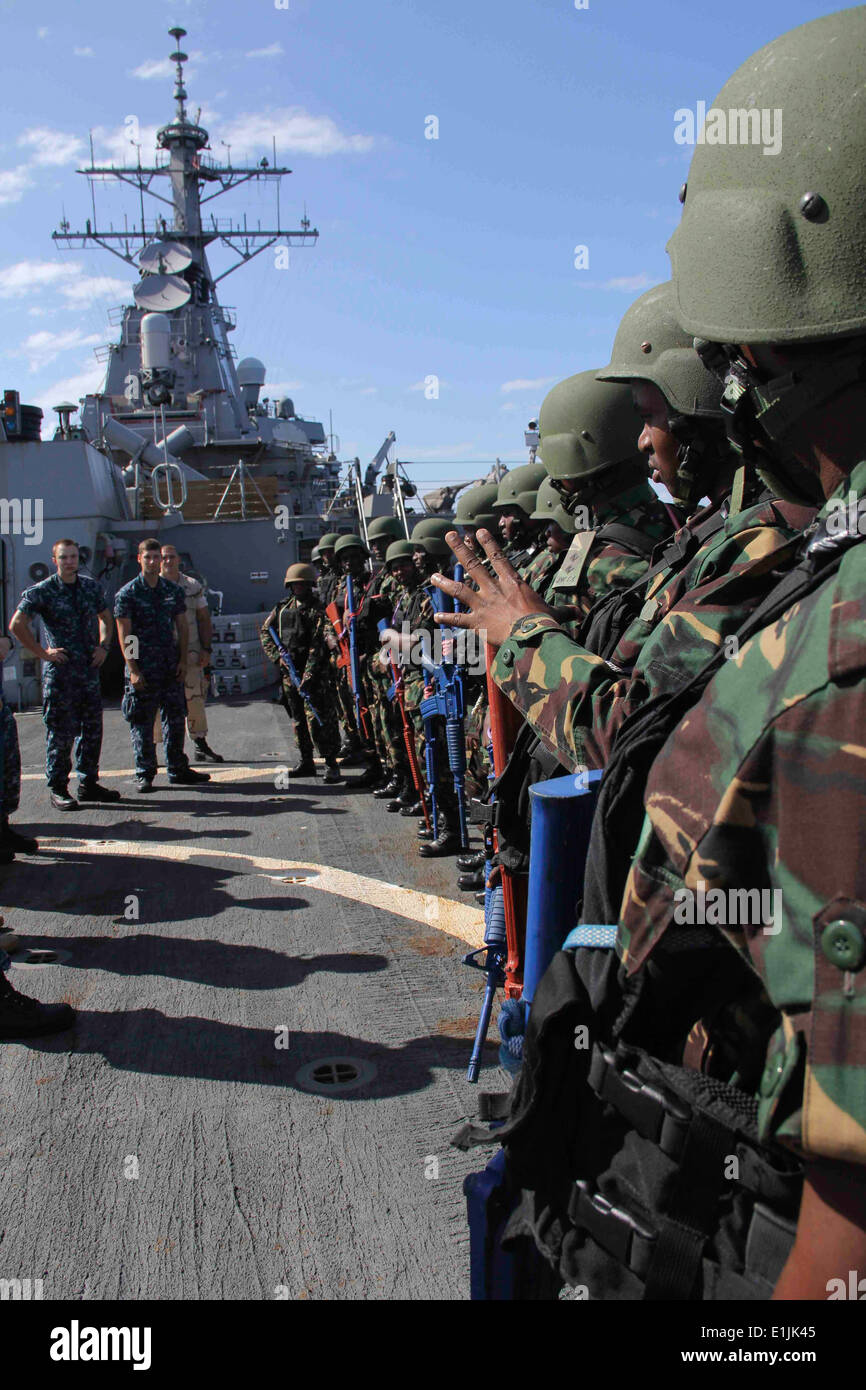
(32,957)
(333,1075)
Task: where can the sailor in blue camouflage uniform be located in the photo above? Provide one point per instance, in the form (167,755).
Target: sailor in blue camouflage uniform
(152,627)
(10,779)
(77,626)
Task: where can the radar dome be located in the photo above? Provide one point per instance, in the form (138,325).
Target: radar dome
(251,379)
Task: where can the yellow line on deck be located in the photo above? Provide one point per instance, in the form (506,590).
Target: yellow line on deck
(454,919)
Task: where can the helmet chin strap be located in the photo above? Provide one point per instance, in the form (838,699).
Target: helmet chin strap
(773,410)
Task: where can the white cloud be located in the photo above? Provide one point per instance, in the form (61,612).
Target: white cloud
(153,67)
(89,378)
(88,287)
(14,183)
(509,405)
(274,51)
(83,52)
(527,383)
(627,284)
(26,276)
(275,389)
(165,68)
(115,144)
(67,278)
(42,348)
(43,32)
(50,146)
(296,132)
(369,391)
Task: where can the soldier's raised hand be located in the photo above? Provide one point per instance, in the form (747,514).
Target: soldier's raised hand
(499,600)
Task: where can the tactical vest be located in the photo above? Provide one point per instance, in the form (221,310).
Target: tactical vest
(629,1172)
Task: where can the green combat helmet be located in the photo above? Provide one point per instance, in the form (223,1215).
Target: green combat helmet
(300,574)
(772,242)
(548,507)
(382,526)
(435,527)
(399,550)
(650,345)
(588,436)
(435,546)
(349,542)
(328,541)
(518,488)
(475,507)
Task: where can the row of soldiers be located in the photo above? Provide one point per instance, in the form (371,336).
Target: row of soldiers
(690,1117)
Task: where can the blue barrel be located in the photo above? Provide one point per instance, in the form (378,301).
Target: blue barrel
(562,811)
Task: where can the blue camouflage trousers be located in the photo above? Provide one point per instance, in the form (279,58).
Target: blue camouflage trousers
(72,711)
(139,709)
(10,762)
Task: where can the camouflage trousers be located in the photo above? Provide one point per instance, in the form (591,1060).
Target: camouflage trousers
(195,687)
(10,762)
(72,712)
(477,756)
(139,708)
(388,726)
(345,706)
(325,734)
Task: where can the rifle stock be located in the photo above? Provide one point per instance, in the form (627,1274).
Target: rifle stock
(505,724)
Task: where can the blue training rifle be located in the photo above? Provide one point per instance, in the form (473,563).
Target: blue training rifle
(292,673)
(354,660)
(447,701)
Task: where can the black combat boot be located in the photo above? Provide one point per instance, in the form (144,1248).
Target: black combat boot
(61,800)
(414,808)
(90,790)
(408,797)
(446,842)
(206,753)
(371,778)
(393,787)
(468,862)
(332,772)
(305,768)
(21,1017)
(468,883)
(18,844)
(187,777)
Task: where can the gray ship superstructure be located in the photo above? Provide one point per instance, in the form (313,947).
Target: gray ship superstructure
(181,442)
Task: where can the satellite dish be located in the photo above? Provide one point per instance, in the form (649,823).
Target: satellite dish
(164,258)
(161,292)
(38,572)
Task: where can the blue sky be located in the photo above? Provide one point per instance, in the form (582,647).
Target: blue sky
(450,257)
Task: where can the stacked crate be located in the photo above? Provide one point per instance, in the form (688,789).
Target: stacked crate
(238,664)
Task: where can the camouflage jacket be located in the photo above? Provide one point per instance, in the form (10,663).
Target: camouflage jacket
(301,627)
(762,787)
(576,702)
(602,564)
(369,608)
(542,568)
(69,616)
(415,609)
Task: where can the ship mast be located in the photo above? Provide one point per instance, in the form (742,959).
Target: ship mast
(189,171)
